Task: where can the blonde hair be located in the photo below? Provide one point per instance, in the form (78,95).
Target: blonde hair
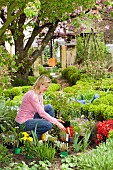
(43,79)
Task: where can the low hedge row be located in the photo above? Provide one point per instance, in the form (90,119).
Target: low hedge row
(19,91)
(71,74)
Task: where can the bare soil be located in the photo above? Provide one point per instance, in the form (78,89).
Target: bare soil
(22,157)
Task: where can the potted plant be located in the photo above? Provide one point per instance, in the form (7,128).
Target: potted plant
(62,147)
(28,145)
(62,136)
(8,139)
(65,115)
(17,139)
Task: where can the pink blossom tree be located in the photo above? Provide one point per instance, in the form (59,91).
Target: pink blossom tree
(44,18)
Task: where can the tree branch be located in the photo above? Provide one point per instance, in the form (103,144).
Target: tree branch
(37,29)
(45,41)
(10,18)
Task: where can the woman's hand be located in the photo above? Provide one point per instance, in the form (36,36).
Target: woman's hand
(60,125)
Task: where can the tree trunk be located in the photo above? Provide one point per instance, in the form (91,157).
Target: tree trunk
(24,62)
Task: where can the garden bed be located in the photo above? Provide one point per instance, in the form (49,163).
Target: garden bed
(55,164)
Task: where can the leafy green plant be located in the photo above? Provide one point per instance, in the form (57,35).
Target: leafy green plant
(17,134)
(77,143)
(7,115)
(21,165)
(76,127)
(43,151)
(86,140)
(61,146)
(5,157)
(110,134)
(11,93)
(99,158)
(54,87)
(81,144)
(42,165)
(28,145)
(69,163)
(8,138)
(108,113)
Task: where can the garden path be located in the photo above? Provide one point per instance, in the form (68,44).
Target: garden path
(63,82)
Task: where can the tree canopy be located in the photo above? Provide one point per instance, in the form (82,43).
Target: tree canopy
(39,18)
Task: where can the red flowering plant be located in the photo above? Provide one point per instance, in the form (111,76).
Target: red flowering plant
(103,129)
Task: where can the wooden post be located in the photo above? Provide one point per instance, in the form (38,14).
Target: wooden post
(63,56)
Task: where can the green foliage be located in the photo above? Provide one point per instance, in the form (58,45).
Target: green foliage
(76,128)
(42,165)
(46,53)
(71,74)
(101,108)
(25,88)
(53,79)
(91,46)
(75,77)
(108,113)
(32,80)
(32,9)
(17,100)
(62,104)
(69,89)
(81,144)
(77,146)
(11,93)
(7,67)
(54,87)
(45,15)
(86,94)
(41,69)
(100,158)
(15,91)
(58,64)
(69,163)
(96,69)
(43,151)
(20,82)
(5,157)
(85,108)
(110,134)
(7,115)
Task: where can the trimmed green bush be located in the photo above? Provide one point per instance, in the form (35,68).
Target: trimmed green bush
(54,87)
(69,90)
(72,74)
(25,88)
(11,93)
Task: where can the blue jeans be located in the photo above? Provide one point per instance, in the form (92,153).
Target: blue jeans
(42,125)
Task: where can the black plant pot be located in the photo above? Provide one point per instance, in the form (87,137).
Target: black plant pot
(66,124)
(21,143)
(9,145)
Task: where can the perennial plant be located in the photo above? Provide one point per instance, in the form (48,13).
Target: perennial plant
(103,129)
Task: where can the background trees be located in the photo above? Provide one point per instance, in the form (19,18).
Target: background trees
(39,19)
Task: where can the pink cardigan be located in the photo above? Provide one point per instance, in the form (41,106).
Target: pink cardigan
(30,105)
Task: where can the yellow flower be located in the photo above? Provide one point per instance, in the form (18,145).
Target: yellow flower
(30,139)
(24,138)
(25,134)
